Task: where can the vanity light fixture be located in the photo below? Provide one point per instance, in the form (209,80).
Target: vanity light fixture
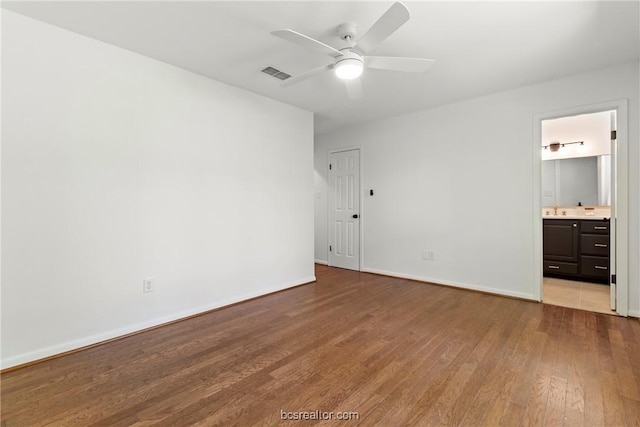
(555,146)
(581,147)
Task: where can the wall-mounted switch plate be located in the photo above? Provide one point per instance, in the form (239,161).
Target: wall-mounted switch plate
(147,285)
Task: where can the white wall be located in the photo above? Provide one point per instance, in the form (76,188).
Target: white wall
(458,180)
(116,167)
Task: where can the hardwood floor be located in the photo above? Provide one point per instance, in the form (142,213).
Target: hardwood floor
(394,351)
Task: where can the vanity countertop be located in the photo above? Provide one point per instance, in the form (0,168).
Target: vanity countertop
(599,218)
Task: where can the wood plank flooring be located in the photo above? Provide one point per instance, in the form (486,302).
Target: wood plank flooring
(395,352)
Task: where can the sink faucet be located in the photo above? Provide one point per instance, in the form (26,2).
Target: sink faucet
(555,211)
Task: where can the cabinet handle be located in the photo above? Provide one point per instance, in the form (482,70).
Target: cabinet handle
(575,225)
(599,227)
(554,267)
(599,267)
(599,245)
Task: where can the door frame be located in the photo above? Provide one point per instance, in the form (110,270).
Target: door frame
(360,207)
(622,198)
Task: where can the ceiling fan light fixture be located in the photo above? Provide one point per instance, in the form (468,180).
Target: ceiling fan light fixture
(348,62)
(349,68)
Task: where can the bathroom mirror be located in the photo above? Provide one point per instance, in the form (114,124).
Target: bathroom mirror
(585,180)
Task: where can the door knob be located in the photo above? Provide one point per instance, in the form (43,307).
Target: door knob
(355,216)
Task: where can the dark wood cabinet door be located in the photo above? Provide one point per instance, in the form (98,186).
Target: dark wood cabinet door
(560,240)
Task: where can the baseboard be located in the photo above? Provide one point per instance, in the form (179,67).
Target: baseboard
(467,286)
(321,262)
(51,352)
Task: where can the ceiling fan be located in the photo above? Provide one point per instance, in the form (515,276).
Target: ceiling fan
(349,61)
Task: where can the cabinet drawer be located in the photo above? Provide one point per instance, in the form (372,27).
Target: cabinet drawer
(555,267)
(594,266)
(594,244)
(594,227)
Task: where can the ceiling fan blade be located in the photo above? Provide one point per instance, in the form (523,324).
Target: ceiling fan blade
(306,42)
(388,23)
(354,88)
(307,74)
(395,63)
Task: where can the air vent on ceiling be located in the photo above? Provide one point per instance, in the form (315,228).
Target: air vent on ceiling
(273,72)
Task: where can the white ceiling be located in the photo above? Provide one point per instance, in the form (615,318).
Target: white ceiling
(480,47)
(593,129)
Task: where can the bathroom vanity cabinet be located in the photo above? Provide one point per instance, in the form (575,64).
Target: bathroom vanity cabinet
(576,249)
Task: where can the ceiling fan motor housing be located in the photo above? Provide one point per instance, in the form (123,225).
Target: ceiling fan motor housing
(347,53)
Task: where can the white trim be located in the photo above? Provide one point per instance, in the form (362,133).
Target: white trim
(362,210)
(428,280)
(537,209)
(613,227)
(634,313)
(622,189)
(158,321)
(622,210)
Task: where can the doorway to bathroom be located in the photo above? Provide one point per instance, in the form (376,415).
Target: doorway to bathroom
(578,208)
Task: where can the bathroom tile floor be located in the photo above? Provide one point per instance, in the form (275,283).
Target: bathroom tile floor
(574,294)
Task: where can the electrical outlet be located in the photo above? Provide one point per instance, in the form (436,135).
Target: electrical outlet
(428,256)
(147,285)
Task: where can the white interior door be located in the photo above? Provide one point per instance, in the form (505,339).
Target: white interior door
(344,209)
(612,221)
